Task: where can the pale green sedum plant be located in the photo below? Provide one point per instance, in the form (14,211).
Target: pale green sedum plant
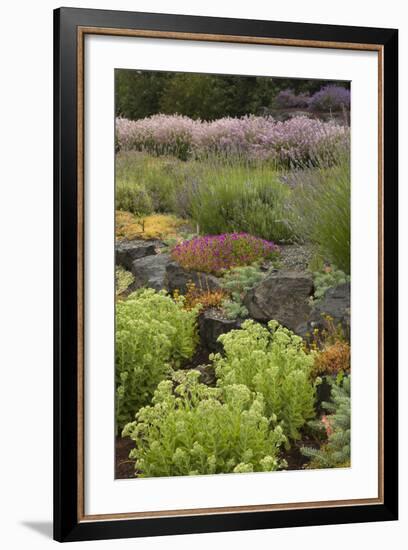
(270,361)
(193,429)
(154,335)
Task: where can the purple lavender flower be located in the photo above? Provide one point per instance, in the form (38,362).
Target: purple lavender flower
(330,98)
(287,99)
(250,137)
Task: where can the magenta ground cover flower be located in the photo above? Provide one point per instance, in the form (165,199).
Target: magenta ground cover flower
(215,253)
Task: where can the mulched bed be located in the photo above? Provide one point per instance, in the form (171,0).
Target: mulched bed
(124,467)
(294,257)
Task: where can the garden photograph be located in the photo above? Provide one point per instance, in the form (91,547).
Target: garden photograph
(232,274)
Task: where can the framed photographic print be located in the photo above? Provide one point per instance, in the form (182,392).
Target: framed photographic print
(225,274)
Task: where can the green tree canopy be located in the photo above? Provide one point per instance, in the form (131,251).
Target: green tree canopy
(141,94)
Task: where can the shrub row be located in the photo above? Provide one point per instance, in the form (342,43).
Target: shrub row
(329,98)
(294,141)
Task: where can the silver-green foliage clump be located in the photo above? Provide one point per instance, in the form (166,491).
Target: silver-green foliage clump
(194,429)
(237,281)
(270,361)
(242,199)
(153,336)
(323,280)
(336,452)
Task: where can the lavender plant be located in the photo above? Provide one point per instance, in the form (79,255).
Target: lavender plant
(242,198)
(291,142)
(320,204)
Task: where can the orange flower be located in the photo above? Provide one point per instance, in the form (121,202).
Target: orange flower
(206,298)
(333,359)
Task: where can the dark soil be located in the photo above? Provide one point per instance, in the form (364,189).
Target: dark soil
(124,466)
(201,362)
(295,459)
(199,358)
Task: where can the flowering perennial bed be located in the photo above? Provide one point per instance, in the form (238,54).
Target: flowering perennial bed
(213,254)
(253,137)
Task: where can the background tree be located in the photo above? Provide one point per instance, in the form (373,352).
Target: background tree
(141,94)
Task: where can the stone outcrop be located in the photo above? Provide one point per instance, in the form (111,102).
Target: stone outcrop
(126,252)
(150,272)
(177,279)
(283,296)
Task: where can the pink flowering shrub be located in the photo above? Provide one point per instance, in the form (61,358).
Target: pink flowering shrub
(287,99)
(252,137)
(158,134)
(213,254)
(330,98)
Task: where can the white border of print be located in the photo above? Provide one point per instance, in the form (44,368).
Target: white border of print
(104,494)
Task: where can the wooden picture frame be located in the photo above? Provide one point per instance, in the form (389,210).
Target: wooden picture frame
(70,28)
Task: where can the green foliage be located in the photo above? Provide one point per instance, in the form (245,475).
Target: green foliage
(153,335)
(270,361)
(143,93)
(237,282)
(193,95)
(134,199)
(168,180)
(316,262)
(234,309)
(195,430)
(335,453)
(220,195)
(123,279)
(242,198)
(138,93)
(328,278)
(322,211)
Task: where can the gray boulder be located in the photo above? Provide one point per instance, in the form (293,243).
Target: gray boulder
(336,304)
(150,272)
(126,252)
(177,279)
(211,325)
(282,296)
